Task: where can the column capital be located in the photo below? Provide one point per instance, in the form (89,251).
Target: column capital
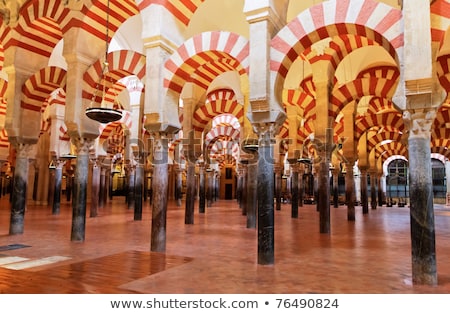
(23,149)
(83,145)
(419,122)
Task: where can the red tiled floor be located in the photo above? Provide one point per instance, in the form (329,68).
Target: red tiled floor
(218,254)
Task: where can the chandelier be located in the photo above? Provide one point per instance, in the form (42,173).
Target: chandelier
(103,114)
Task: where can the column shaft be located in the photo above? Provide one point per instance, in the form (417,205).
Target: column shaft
(421,212)
(79,197)
(190,194)
(57,191)
(252,200)
(19,192)
(160,184)
(364,196)
(266,243)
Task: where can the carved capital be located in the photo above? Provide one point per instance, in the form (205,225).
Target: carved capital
(83,145)
(419,123)
(22,150)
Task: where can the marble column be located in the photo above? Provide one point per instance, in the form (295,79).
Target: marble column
(202,190)
(301,184)
(160,184)
(80,189)
(138,190)
(294,187)
(131,174)
(335,174)
(95,188)
(36,180)
(381,195)
(265,192)
(238,186)
(190,193)
(57,187)
(19,191)
(350,190)
(244,163)
(424,270)
(252,197)
(447,175)
(103,188)
(278,173)
(373,190)
(364,196)
(210,187)
(178,183)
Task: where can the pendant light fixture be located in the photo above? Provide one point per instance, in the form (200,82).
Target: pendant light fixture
(103,114)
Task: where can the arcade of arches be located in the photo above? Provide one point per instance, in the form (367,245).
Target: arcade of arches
(263,101)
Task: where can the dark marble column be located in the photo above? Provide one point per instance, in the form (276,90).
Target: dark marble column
(160,184)
(323,195)
(103,188)
(278,173)
(301,185)
(294,188)
(178,183)
(423,248)
(209,187)
(36,180)
(350,190)
(80,189)
(131,174)
(57,188)
(201,190)
(190,193)
(380,192)
(138,191)
(252,197)
(265,190)
(244,163)
(238,186)
(95,188)
(373,189)
(336,187)
(51,184)
(19,191)
(364,196)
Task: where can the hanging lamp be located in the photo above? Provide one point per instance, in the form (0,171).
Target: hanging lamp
(103,114)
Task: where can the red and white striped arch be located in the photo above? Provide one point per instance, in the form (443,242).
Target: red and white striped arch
(222,131)
(438,133)
(378,105)
(113,139)
(121,64)
(219,102)
(380,137)
(443,71)
(442,118)
(182,10)
(370,19)
(440,19)
(298,97)
(354,90)
(338,49)
(393,120)
(94,18)
(391,149)
(226,119)
(40,26)
(39,86)
(440,146)
(207,55)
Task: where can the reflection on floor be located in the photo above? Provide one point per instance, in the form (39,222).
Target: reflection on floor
(217,254)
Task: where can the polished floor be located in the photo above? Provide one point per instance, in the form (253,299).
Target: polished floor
(217,254)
